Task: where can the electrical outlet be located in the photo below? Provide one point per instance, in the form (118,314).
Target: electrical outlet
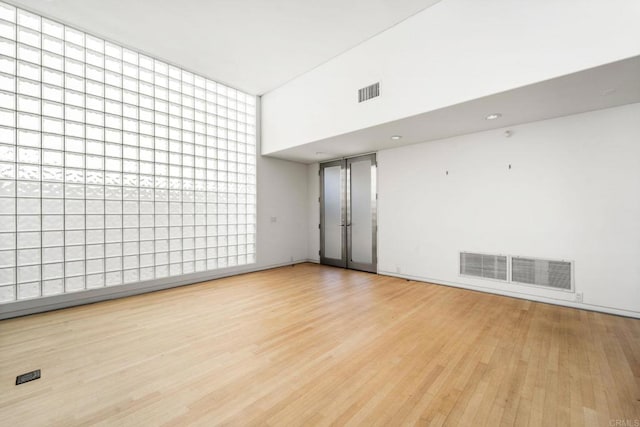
(579,296)
(398,269)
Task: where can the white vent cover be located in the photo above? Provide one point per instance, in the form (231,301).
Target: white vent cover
(482,265)
(541,272)
(369,92)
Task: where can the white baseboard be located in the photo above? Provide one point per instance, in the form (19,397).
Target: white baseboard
(519,295)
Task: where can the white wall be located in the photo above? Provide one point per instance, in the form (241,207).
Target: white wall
(282,197)
(455,51)
(573,193)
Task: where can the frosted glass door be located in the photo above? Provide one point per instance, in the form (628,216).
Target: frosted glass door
(332,214)
(361,208)
(348,213)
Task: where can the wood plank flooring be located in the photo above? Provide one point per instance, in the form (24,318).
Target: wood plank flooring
(316,345)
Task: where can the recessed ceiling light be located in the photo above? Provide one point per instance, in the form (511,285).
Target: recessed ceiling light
(396,137)
(493,116)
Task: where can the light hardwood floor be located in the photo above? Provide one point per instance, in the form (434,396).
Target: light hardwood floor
(314,345)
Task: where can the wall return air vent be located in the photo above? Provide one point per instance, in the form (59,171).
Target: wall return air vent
(541,272)
(483,265)
(369,92)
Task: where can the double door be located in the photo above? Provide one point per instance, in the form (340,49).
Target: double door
(348,199)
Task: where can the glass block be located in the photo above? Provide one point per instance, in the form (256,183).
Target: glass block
(52,238)
(130,221)
(28,273)
(95,281)
(52,174)
(74,222)
(51,255)
(95,251)
(188,267)
(74,144)
(113,249)
(28,172)
(7,83)
(52,206)
(52,109)
(74,253)
(95,266)
(7,276)
(130,262)
(28,155)
(52,93)
(52,222)
(52,271)
(28,290)
(52,142)
(74,98)
(161,271)
(74,284)
(28,223)
(95,236)
(130,234)
(7,293)
(131,276)
(7,47)
(95,221)
(27,87)
(95,103)
(29,71)
(51,125)
(113,278)
(52,287)
(28,36)
(74,36)
(74,268)
(94,43)
(7,118)
(74,191)
(7,65)
(7,171)
(28,240)
(74,237)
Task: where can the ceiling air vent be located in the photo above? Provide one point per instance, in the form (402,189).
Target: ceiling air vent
(541,272)
(369,92)
(483,265)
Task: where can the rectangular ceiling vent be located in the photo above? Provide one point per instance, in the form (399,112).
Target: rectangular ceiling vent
(541,272)
(369,92)
(483,265)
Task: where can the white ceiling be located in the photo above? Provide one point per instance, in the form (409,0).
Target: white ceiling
(252,45)
(601,87)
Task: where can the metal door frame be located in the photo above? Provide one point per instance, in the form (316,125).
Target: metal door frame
(345,201)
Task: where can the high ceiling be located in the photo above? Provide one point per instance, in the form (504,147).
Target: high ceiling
(253,45)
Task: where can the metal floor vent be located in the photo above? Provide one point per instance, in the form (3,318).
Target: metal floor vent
(483,265)
(541,272)
(29,376)
(369,92)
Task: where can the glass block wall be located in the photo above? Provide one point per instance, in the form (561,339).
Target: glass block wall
(115,167)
